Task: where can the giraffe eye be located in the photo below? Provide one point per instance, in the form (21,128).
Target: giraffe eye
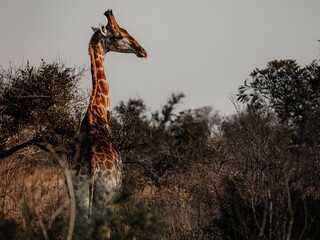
(117,37)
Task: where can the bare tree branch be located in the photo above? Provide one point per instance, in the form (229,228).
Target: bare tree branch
(10,151)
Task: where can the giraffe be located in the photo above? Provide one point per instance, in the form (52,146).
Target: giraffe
(94,160)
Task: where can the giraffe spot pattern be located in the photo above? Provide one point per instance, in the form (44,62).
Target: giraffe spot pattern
(95,160)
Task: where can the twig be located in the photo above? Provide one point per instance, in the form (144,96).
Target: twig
(62,160)
(42,226)
(57,212)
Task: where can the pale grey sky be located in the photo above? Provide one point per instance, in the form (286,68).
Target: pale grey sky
(203,48)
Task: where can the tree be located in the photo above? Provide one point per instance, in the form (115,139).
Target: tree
(293,92)
(39,105)
(268,191)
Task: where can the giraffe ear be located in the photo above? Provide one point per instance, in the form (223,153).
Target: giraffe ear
(103,29)
(95,29)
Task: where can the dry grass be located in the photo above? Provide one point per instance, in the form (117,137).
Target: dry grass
(184,203)
(33,193)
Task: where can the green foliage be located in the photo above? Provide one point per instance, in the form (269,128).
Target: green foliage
(142,224)
(45,101)
(163,141)
(293,92)
(130,126)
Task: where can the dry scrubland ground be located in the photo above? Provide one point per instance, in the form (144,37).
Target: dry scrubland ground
(33,192)
(32,185)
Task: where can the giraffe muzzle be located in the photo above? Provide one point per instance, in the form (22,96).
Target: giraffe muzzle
(142,53)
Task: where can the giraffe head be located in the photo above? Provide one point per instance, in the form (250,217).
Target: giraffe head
(114,38)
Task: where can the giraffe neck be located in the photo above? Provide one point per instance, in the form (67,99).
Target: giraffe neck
(99,105)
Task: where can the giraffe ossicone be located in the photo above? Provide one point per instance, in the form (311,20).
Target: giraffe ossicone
(95,161)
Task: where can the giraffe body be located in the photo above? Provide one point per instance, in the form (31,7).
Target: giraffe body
(94,160)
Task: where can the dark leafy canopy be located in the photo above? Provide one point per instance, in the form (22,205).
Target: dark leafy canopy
(44,101)
(292,91)
(163,141)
